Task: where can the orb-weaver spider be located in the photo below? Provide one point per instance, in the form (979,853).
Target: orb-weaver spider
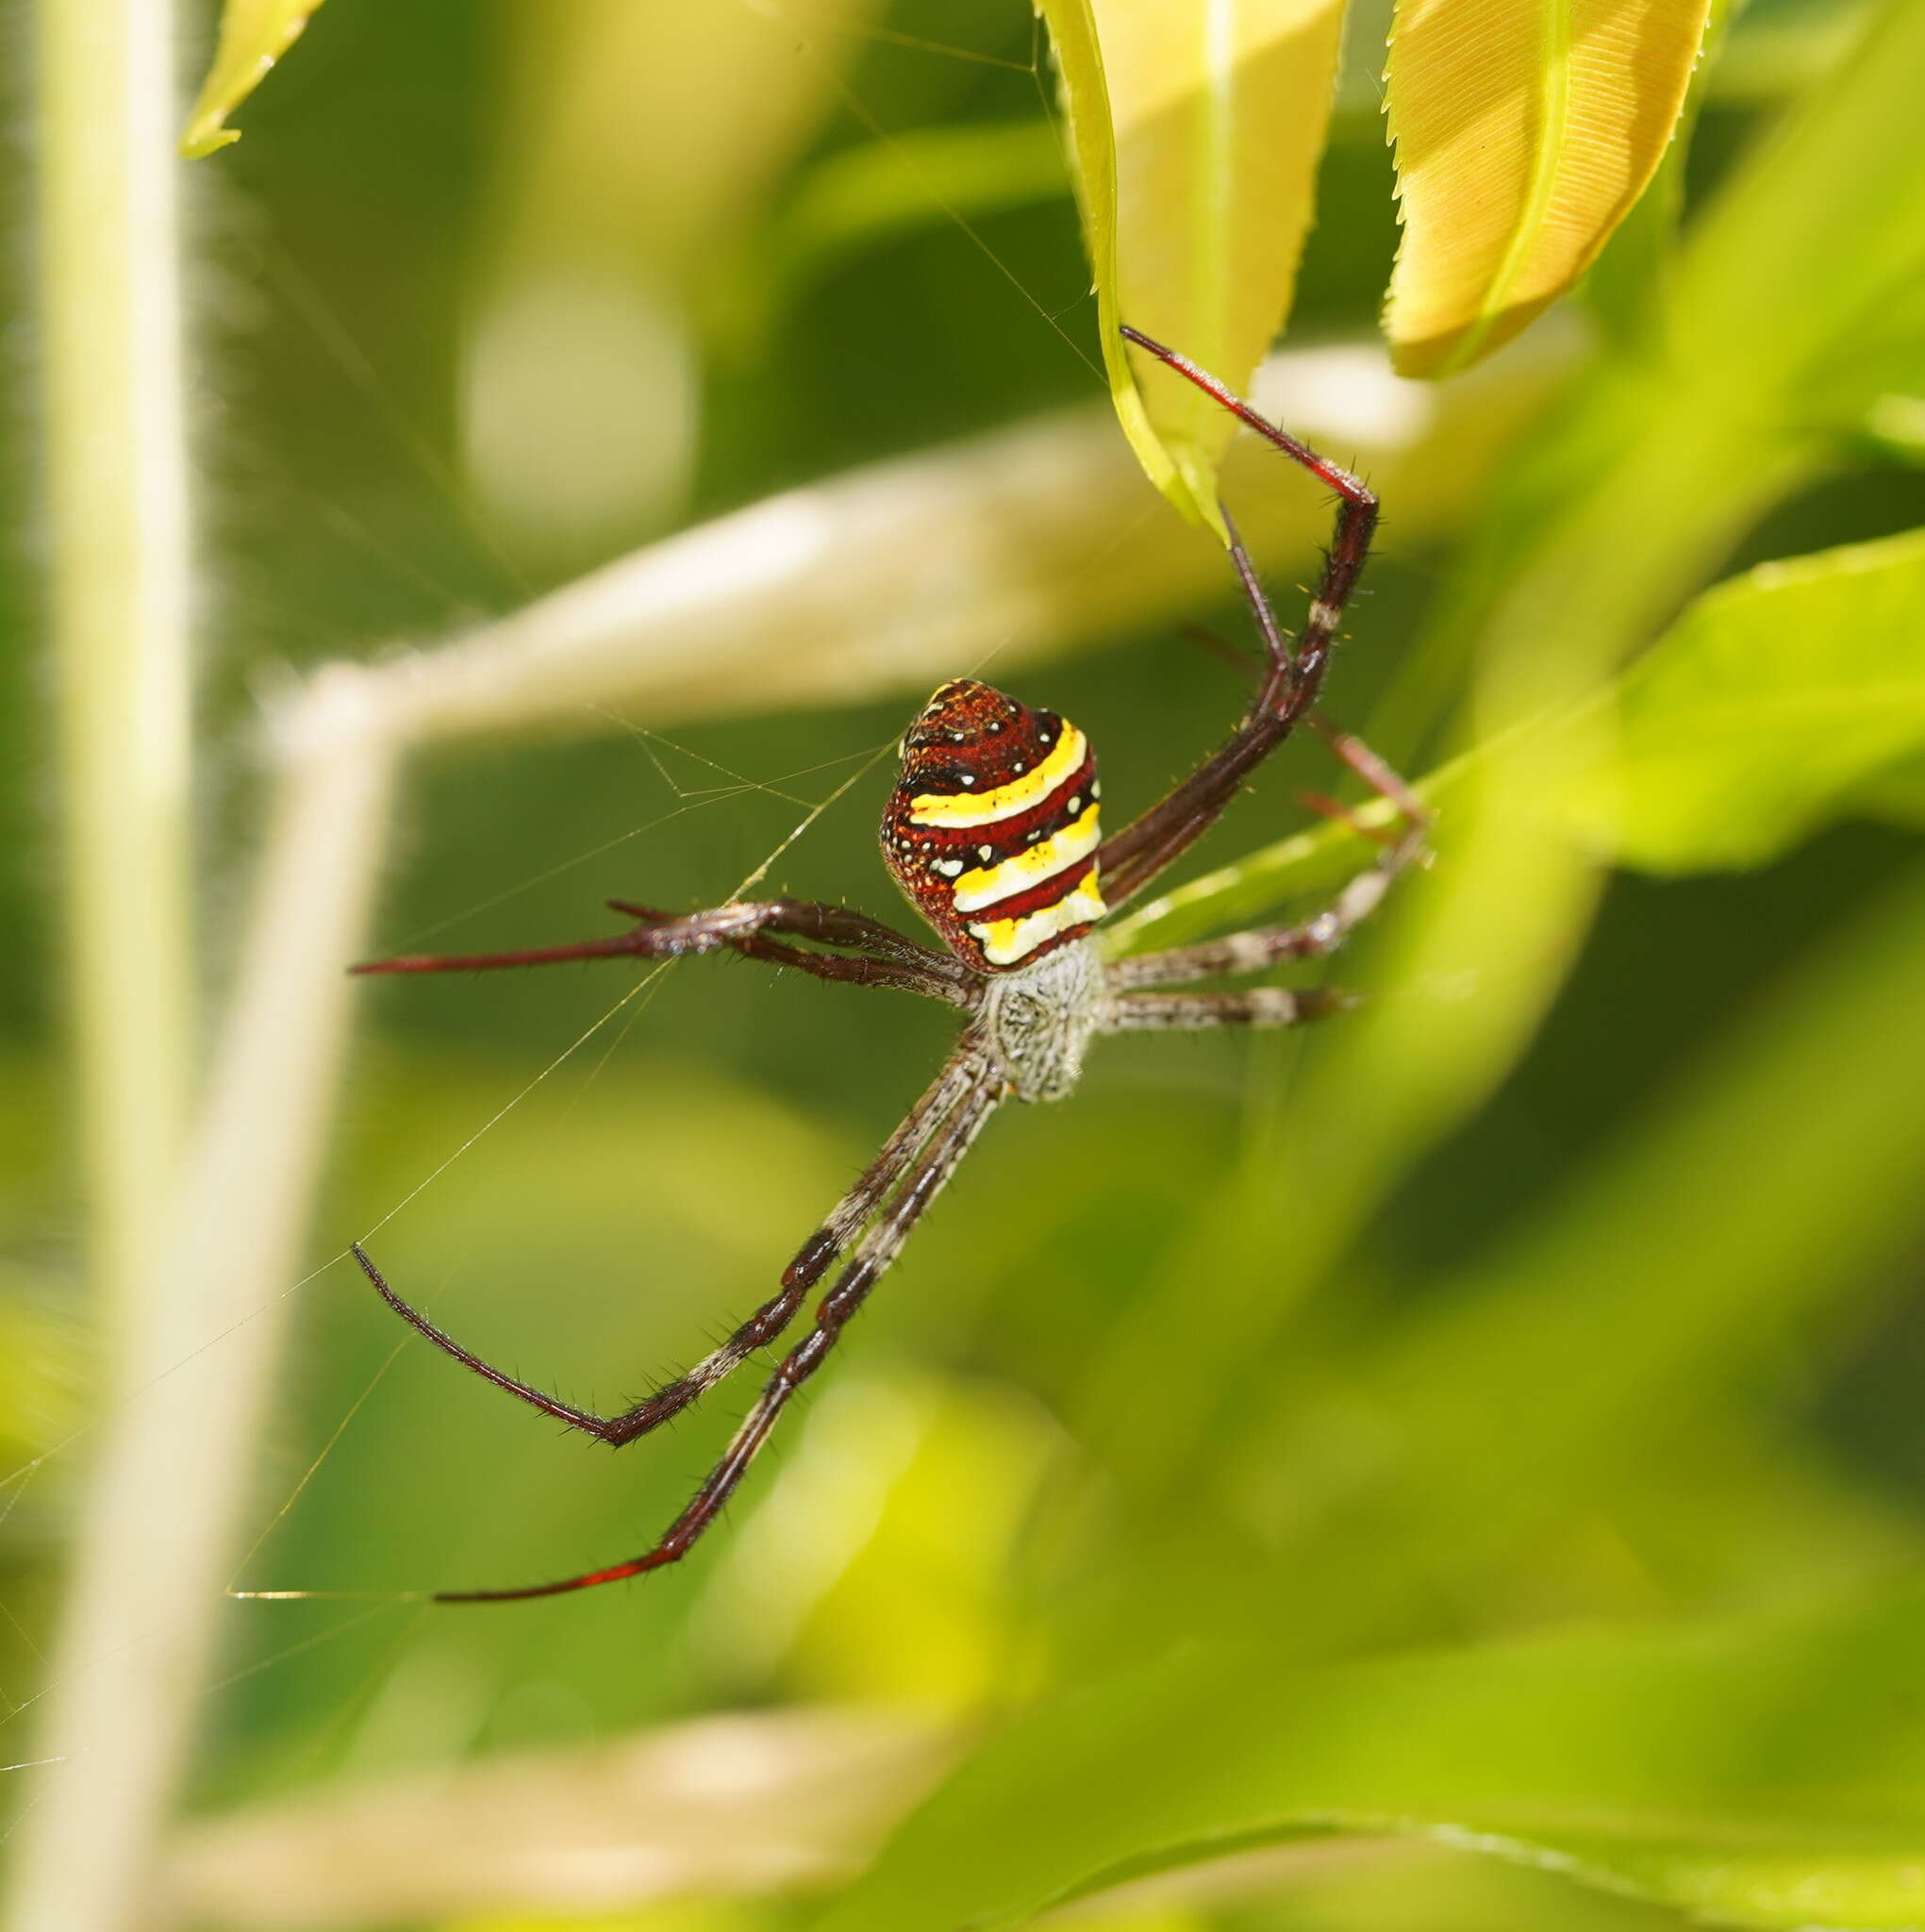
(992,831)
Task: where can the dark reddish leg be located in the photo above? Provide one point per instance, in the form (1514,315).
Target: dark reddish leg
(1291,681)
(883,1243)
(865,969)
(811,1263)
(1308,939)
(886,957)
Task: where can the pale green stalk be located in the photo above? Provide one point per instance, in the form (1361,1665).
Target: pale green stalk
(117,590)
(177,1465)
(118,595)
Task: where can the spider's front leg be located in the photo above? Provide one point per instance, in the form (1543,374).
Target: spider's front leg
(882,957)
(1293,677)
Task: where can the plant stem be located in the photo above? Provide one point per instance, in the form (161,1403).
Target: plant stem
(118,592)
(178,1460)
(118,596)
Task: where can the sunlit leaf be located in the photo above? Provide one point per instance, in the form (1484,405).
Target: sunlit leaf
(254,35)
(1195,128)
(1766,704)
(1789,695)
(1766,1777)
(1602,528)
(1628,278)
(1525,130)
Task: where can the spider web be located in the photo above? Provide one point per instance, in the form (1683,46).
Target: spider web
(596,1041)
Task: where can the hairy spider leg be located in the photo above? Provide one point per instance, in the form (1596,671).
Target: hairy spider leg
(863,969)
(885,957)
(1269,1006)
(812,1261)
(1306,939)
(1135,855)
(878,1249)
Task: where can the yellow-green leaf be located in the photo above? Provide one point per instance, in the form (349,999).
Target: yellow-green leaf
(254,35)
(1195,128)
(1754,1774)
(1779,701)
(1771,700)
(1525,130)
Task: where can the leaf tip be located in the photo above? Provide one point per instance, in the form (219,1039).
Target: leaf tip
(206,136)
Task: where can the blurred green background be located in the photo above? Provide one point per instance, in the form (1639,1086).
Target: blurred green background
(1585,1355)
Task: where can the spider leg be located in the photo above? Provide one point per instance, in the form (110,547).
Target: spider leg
(865,969)
(812,1261)
(1135,855)
(1269,1006)
(881,1246)
(1308,939)
(885,957)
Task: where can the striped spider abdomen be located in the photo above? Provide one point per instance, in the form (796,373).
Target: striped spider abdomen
(992,828)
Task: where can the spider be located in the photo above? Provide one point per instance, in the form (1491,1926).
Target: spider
(992,833)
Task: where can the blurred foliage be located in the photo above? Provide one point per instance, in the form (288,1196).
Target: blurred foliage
(254,35)
(1778,701)
(1633,1762)
(1575,1282)
(1760,713)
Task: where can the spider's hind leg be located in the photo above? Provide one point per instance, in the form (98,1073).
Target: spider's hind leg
(1293,672)
(979,1093)
(1191,1012)
(860,1205)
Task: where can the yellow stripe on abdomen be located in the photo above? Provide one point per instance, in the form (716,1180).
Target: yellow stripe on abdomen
(987,884)
(965,809)
(1007,942)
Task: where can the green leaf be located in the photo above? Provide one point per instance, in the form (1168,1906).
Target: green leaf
(1759,1777)
(1746,1211)
(1777,335)
(1195,127)
(1525,132)
(254,35)
(1765,705)
(1782,698)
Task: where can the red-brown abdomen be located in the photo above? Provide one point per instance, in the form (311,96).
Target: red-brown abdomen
(992,826)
